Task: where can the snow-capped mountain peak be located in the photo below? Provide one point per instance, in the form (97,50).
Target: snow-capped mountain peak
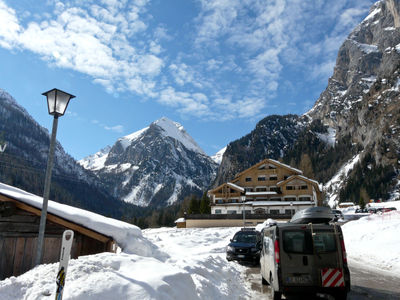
(218,156)
(176,131)
(95,161)
(157,165)
(129,139)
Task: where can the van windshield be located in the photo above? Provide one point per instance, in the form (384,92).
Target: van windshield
(300,241)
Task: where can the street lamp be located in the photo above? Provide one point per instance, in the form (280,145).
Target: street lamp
(57,102)
(243,198)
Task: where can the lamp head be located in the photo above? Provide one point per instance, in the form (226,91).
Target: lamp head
(57,101)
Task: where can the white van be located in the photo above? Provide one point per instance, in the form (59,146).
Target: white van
(304,259)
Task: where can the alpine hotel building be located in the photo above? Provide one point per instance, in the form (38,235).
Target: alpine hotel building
(269,187)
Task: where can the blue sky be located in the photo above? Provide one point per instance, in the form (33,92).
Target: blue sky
(217,67)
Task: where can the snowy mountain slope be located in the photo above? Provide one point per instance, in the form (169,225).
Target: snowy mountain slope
(32,143)
(157,165)
(25,159)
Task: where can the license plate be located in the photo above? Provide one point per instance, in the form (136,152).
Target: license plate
(241,256)
(303,279)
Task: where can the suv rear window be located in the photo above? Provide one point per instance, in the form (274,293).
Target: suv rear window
(246,237)
(300,241)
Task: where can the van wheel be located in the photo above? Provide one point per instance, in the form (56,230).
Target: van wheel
(263,281)
(274,294)
(341,295)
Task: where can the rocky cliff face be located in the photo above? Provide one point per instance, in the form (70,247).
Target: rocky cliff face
(155,166)
(362,97)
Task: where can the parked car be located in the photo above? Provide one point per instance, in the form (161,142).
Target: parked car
(245,246)
(338,214)
(304,259)
(385,209)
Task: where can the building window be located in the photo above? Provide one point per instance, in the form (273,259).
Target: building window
(289,212)
(217,211)
(234,201)
(248,179)
(259,211)
(261,178)
(291,199)
(274,189)
(276,199)
(273,177)
(290,187)
(304,199)
(304,187)
(220,201)
(231,212)
(248,189)
(263,189)
(274,211)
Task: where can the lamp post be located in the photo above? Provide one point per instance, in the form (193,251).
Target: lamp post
(291,209)
(243,198)
(57,102)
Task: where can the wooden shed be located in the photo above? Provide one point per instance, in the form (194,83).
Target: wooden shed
(19,228)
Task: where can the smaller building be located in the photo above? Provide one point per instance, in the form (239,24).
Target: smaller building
(19,227)
(269,187)
(180,223)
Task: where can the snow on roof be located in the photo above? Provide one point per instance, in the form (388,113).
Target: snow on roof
(286,166)
(260,193)
(128,237)
(180,220)
(290,178)
(235,186)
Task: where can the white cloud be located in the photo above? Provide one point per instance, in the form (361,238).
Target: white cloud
(234,60)
(196,104)
(116,128)
(9,26)
(90,39)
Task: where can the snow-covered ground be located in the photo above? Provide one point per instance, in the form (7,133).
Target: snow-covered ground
(191,264)
(373,241)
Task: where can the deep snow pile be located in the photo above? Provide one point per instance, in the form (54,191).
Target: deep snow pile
(192,267)
(373,242)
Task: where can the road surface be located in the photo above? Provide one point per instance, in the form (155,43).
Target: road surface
(365,284)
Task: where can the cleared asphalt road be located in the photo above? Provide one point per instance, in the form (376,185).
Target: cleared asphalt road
(365,284)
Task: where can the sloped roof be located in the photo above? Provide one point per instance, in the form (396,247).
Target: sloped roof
(118,230)
(273,162)
(301,177)
(230,184)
